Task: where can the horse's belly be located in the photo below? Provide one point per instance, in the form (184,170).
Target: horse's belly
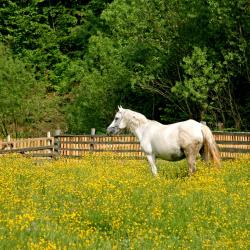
(171,155)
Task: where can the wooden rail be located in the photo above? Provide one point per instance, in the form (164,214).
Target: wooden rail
(79,145)
(35,147)
(231,145)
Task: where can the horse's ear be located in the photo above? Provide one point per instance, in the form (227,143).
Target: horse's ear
(120,108)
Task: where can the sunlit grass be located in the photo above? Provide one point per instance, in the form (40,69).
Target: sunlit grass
(108,203)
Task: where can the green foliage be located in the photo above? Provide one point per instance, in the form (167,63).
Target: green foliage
(201,85)
(169,59)
(24,107)
(101,87)
(216,84)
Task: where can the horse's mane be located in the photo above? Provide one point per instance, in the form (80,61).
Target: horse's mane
(134,119)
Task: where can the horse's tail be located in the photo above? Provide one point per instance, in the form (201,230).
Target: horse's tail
(210,149)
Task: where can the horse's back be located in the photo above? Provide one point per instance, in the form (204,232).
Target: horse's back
(188,128)
(173,138)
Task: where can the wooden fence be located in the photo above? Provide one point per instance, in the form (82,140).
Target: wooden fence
(78,145)
(35,147)
(231,145)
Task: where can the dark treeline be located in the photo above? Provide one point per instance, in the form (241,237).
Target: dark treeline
(68,64)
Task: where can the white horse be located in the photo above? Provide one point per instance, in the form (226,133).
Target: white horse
(169,142)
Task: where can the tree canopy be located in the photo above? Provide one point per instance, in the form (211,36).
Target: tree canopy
(68,64)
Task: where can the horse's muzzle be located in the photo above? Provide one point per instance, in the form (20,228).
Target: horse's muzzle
(113,130)
(110,131)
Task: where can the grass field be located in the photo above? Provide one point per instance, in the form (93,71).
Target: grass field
(107,203)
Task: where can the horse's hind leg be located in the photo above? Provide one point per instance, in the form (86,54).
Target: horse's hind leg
(191,159)
(191,153)
(204,156)
(151,160)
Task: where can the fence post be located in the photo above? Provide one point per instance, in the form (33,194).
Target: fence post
(49,138)
(48,134)
(9,145)
(57,141)
(49,141)
(220,126)
(92,133)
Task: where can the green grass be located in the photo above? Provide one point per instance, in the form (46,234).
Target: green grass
(105,203)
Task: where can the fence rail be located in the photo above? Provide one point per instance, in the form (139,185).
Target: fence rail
(79,145)
(231,145)
(35,147)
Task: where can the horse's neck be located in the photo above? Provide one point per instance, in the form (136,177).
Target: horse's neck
(137,125)
(139,132)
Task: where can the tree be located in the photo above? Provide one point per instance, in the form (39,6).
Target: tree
(168,59)
(201,86)
(160,35)
(24,107)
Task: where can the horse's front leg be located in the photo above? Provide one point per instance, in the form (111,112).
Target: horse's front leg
(151,160)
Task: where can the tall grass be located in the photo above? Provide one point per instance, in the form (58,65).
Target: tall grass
(108,203)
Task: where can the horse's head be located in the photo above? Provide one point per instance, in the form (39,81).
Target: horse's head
(119,123)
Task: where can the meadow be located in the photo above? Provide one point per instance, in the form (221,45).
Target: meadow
(109,203)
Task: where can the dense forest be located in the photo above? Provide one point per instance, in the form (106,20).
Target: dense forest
(68,64)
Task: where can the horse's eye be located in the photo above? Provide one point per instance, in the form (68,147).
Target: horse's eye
(116,118)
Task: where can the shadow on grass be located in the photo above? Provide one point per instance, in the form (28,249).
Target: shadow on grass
(173,170)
